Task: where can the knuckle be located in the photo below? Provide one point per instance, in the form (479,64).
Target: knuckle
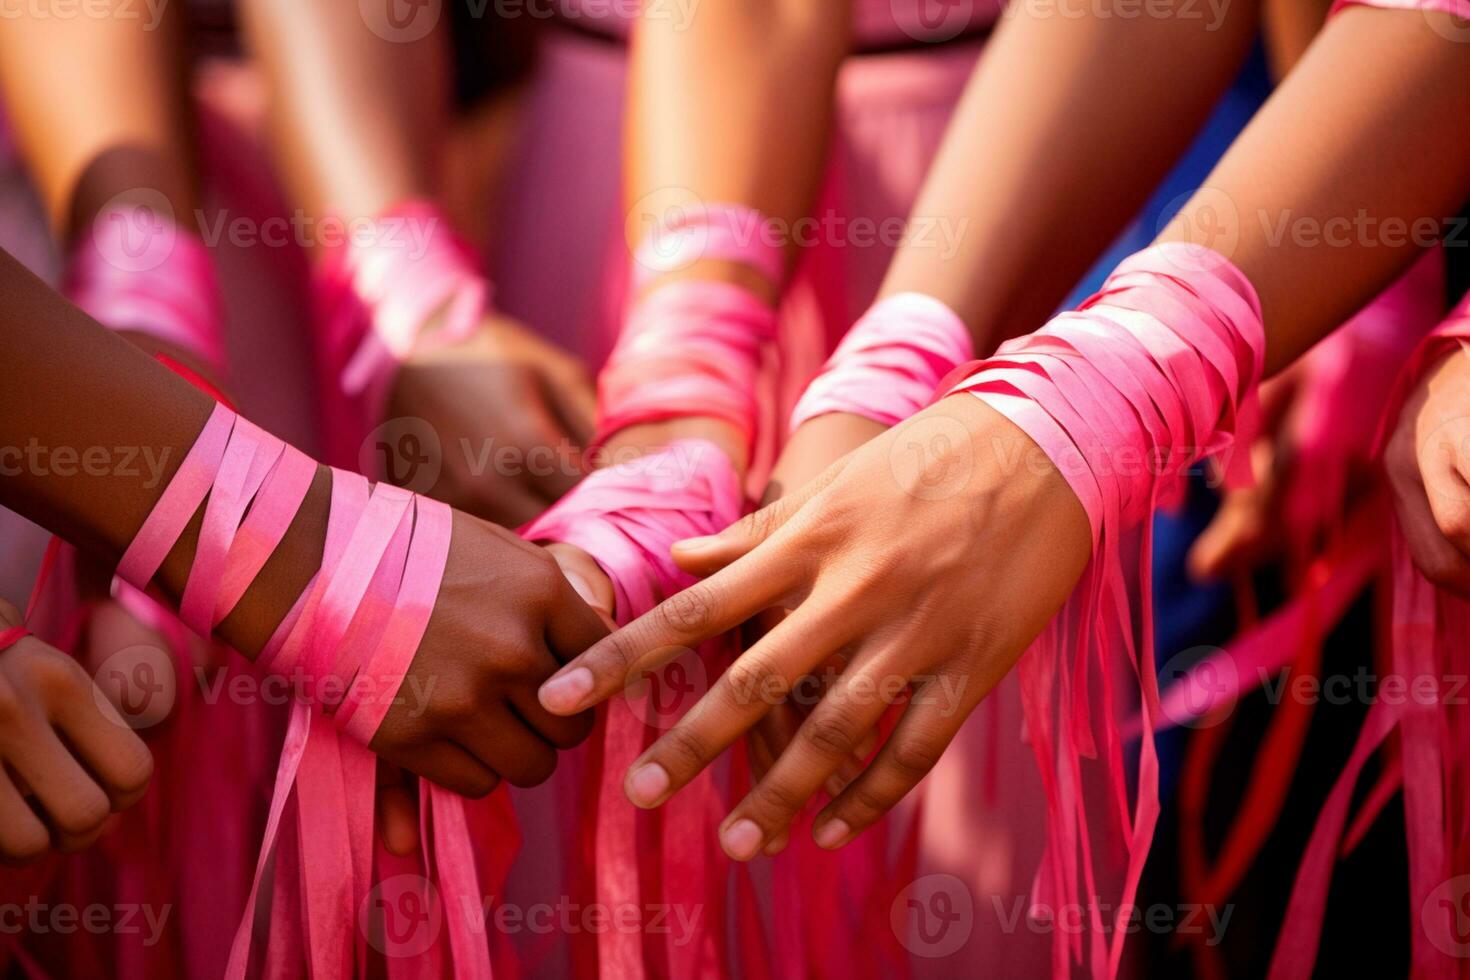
(831,736)
(914,755)
(534,770)
(54,672)
(683,750)
(864,802)
(23,845)
(12,705)
(774,796)
(456,706)
(477,785)
(688,611)
(84,813)
(753,678)
(135,772)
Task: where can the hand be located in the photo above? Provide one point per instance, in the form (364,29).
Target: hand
(63,746)
(511,412)
(467,712)
(815,445)
(928,560)
(1428,464)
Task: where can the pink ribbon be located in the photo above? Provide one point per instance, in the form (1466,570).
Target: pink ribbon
(728,232)
(887,366)
(690,347)
(348,644)
(375,294)
(138,271)
(1142,381)
(627,518)
(1429,652)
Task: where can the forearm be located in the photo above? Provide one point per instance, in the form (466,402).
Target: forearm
(92,429)
(735,107)
(1343,176)
(1065,129)
(99,106)
(353,115)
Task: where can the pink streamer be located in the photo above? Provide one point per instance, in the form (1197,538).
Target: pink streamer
(1142,381)
(1429,655)
(887,366)
(348,644)
(628,518)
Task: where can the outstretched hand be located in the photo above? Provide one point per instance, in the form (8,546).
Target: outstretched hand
(926,561)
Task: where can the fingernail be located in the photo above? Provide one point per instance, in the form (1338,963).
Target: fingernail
(648,784)
(696,544)
(565,692)
(741,840)
(835,785)
(832,833)
(582,587)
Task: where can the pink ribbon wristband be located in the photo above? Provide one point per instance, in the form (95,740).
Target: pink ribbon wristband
(728,232)
(136,270)
(374,543)
(688,348)
(890,362)
(1147,377)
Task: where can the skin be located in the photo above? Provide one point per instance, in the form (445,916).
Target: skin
(503,620)
(353,139)
(1428,467)
(67,759)
(925,588)
(736,106)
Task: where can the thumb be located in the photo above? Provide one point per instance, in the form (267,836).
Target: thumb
(706,555)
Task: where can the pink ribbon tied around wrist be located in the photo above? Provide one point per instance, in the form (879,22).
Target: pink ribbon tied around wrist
(381,288)
(137,270)
(887,366)
(1144,379)
(727,232)
(346,645)
(689,348)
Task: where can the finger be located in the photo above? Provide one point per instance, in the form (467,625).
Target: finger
(23,837)
(707,555)
(398,811)
(1440,561)
(1233,535)
(449,765)
(826,740)
(561,731)
(73,804)
(586,578)
(676,625)
(757,681)
(502,741)
(918,740)
(768,737)
(109,748)
(573,626)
